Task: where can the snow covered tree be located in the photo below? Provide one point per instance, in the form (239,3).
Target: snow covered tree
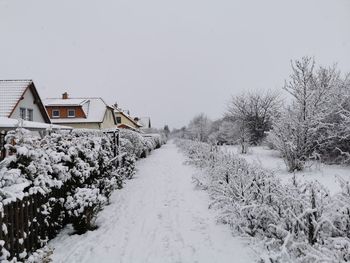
(254,110)
(333,133)
(222,131)
(166,130)
(295,133)
(199,128)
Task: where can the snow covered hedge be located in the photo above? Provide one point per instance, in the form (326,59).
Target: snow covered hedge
(75,172)
(78,157)
(138,144)
(298,222)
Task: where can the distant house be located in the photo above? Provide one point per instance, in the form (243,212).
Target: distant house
(125,121)
(19,99)
(145,122)
(87,113)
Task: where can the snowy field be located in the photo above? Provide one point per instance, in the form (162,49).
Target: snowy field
(327,175)
(158,217)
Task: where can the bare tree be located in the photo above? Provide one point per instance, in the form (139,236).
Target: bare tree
(333,133)
(254,111)
(223,131)
(199,128)
(295,133)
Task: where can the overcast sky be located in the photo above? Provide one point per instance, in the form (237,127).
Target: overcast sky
(167,59)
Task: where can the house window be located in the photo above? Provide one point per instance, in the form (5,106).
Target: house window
(2,144)
(55,113)
(29,114)
(26,114)
(119,120)
(71,113)
(22,112)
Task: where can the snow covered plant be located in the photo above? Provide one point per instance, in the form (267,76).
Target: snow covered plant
(83,206)
(42,255)
(316,124)
(137,142)
(63,160)
(70,175)
(299,222)
(127,169)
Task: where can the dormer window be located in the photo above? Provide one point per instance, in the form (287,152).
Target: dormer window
(55,113)
(71,113)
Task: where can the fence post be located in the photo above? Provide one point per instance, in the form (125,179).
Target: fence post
(16,228)
(5,222)
(26,233)
(1,232)
(10,226)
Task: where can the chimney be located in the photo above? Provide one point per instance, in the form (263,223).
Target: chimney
(65,96)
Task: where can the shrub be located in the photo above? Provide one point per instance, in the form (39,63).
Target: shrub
(78,166)
(299,222)
(82,207)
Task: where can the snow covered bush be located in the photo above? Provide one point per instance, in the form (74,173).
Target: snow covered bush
(137,142)
(128,167)
(298,222)
(153,141)
(289,139)
(56,168)
(41,255)
(83,206)
(70,175)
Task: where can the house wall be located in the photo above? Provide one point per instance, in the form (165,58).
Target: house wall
(87,125)
(125,120)
(79,113)
(108,120)
(28,102)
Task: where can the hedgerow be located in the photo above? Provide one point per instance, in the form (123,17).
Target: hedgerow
(298,221)
(80,165)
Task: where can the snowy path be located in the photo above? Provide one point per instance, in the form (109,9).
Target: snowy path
(157,217)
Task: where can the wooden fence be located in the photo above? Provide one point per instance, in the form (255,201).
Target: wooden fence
(27,226)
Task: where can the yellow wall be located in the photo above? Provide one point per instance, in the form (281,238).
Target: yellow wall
(125,120)
(92,125)
(108,120)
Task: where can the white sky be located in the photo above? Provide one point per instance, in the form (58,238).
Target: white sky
(167,59)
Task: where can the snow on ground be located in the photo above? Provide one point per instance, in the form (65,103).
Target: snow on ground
(327,175)
(158,217)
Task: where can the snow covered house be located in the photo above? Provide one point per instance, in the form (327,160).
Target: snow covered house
(84,113)
(21,106)
(124,120)
(19,99)
(145,122)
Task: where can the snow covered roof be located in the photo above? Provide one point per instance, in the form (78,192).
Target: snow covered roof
(11,92)
(126,126)
(65,102)
(145,122)
(126,115)
(94,108)
(9,124)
